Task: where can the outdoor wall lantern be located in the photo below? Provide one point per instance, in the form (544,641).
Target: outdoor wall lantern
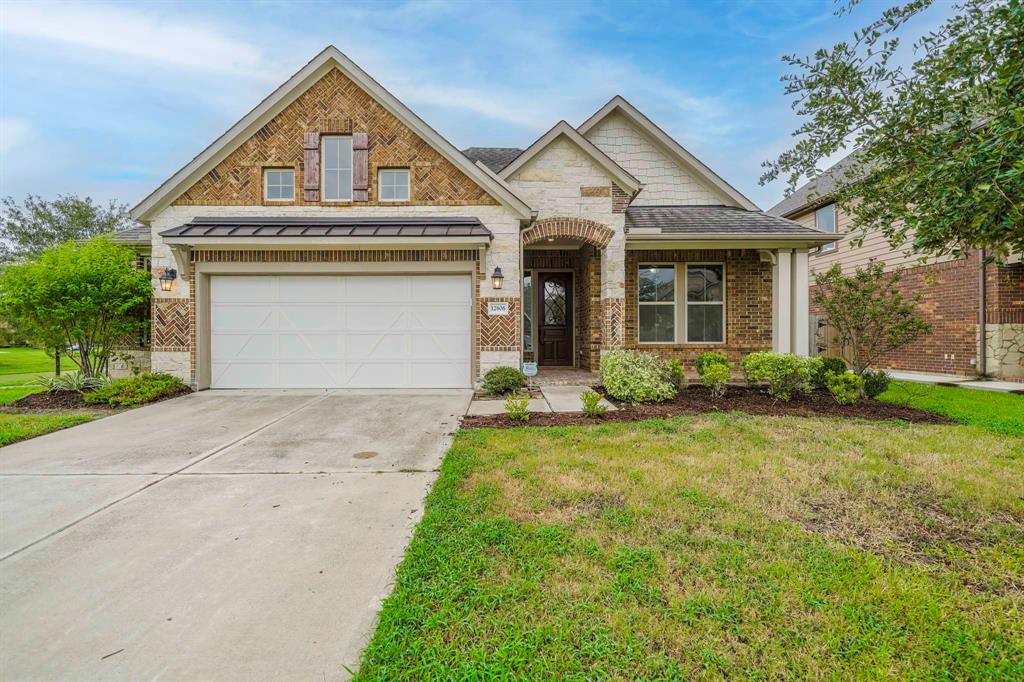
(167,279)
(497,279)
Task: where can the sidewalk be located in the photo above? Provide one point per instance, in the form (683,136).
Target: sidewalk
(956,380)
(555,398)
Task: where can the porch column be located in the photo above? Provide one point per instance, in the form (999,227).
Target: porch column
(801,293)
(782,301)
(613,292)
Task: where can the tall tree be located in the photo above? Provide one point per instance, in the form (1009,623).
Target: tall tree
(939,160)
(28,229)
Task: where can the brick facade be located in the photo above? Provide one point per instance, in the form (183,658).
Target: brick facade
(748,303)
(334,104)
(584,230)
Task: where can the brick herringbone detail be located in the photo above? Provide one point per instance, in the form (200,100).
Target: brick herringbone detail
(498,332)
(334,104)
(172,327)
(588,231)
(613,323)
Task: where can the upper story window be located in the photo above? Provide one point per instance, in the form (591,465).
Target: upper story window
(825,219)
(336,167)
(279,184)
(393,184)
(657,294)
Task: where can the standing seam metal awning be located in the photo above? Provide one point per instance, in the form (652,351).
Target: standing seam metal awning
(330,227)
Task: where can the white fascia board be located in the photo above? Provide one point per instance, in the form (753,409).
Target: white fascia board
(622,177)
(335,242)
(330,57)
(664,140)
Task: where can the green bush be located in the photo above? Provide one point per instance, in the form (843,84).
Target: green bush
(705,360)
(636,377)
(502,380)
(592,406)
(715,377)
(76,382)
(675,373)
(845,387)
(876,382)
(138,390)
(517,407)
(784,373)
(825,365)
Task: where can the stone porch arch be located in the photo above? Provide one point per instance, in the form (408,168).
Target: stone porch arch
(588,231)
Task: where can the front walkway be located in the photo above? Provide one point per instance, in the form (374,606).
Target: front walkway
(957,380)
(225,535)
(554,398)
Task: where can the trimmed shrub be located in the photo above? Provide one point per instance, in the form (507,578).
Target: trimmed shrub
(517,407)
(636,377)
(76,382)
(784,373)
(705,360)
(876,382)
(675,373)
(825,365)
(138,390)
(716,377)
(592,406)
(845,387)
(502,380)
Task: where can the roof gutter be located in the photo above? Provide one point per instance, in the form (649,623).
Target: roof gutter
(730,240)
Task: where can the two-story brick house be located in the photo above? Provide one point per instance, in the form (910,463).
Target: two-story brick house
(331,238)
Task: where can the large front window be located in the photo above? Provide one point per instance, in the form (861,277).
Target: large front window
(336,162)
(657,304)
(705,303)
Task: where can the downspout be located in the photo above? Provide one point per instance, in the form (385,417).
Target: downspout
(982,350)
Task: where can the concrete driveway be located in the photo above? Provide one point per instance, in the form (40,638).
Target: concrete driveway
(226,535)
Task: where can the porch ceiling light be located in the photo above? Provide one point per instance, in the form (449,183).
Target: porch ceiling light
(167,279)
(497,279)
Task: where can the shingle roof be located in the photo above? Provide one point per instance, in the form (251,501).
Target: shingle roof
(814,192)
(720,220)
(133,236)
(330,227)
(494,158)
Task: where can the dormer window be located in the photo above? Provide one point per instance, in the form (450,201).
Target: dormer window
(336,167)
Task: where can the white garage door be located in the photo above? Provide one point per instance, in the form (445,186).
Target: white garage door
(388,331)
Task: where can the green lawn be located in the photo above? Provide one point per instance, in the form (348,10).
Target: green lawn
(715,546)
(15,427)
(29,361)
(998,412)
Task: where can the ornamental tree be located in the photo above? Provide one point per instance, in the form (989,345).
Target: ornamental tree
(87,298)
(26,230)
(868,313)
(939,160)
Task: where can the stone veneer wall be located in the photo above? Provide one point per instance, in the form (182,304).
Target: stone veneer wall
(748,303)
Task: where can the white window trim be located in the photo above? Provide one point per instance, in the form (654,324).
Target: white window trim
(266,185)
(686,303)
(323,171)
(675,303)
(408,184)
(831,246)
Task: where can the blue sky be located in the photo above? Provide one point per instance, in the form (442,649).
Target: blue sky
(108,100)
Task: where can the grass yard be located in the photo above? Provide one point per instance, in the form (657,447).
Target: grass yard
(15,427)
(716,546)
(29,361)
(998,412)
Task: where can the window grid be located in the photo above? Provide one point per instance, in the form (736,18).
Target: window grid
(279,184)
(719,303)
(654,304)
(393,184)
(336,167)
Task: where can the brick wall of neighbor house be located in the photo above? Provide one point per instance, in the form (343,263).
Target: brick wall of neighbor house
(748,303)
(949,303)
(334,104)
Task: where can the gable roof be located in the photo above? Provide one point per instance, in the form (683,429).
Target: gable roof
(816,192)
(665,141)
(494,158)
(716,220)
(622,177)
(330,58)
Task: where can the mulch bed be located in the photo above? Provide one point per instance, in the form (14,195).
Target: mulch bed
(697,400)
(55,400)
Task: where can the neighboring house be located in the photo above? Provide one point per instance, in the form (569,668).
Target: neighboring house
(952,291)
(331,238)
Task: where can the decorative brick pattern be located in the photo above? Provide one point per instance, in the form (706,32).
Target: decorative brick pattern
(748,303)
(498,332)
(595,191)
(613,323)
(588,231)
(620,199)
(172,324)
(334,104)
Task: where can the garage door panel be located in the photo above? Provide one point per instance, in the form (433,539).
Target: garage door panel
(388,331)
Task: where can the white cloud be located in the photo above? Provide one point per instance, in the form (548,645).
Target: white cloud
(13,133)
(145,36)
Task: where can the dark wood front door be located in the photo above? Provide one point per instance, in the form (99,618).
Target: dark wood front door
(555,321)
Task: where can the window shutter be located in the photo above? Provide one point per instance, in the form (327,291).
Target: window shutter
(360,167)
(311,167)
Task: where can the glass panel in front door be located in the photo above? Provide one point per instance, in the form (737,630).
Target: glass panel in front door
(554,302)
